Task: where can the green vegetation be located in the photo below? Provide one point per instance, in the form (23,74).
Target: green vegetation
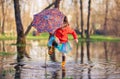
(46,36)
(6,53)
(41,36)
(104,38)
(5,37)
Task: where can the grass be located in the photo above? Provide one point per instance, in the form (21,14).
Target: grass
(41,36)
(6,53)
(104,38)
(46,36)
(5,37)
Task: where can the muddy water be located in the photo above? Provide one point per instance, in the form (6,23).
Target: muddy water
(91,60)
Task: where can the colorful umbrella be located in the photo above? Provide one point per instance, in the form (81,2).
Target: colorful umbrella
(48,20)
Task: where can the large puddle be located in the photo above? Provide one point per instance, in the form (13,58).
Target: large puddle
(91,60)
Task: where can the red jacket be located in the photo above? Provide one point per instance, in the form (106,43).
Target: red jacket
(62,34)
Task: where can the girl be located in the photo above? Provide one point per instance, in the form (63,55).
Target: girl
(61,37)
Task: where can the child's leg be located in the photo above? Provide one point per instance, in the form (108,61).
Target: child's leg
(63,60)
(51,48)
(63,57)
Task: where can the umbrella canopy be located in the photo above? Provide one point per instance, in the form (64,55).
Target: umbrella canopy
(48,20)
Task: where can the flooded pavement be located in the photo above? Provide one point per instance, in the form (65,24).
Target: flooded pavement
(91,60)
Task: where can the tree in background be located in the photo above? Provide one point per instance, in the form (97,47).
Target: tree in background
(21,42)
(114,20)
(2,2)
(88,20)
(76,17)
(106,16)
(76,14)
(82,21)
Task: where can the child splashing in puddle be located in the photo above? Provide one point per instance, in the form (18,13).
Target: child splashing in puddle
(60,39)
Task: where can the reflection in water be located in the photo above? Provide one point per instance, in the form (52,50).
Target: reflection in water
(88,59)
(2,60)
(63,72)
(82,51)
(18,67)
(88,50)
(89,73)
(105,63)
(21,53)
(55,75)
(34,50)
(106,51)
(1,68)
(17,72)
(77,53)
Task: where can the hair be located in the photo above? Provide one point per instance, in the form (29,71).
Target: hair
(65,21)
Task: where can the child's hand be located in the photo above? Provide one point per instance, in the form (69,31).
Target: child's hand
(76,40)
(57,40)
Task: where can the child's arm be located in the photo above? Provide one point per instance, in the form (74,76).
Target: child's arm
(57,40)
(71,31)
